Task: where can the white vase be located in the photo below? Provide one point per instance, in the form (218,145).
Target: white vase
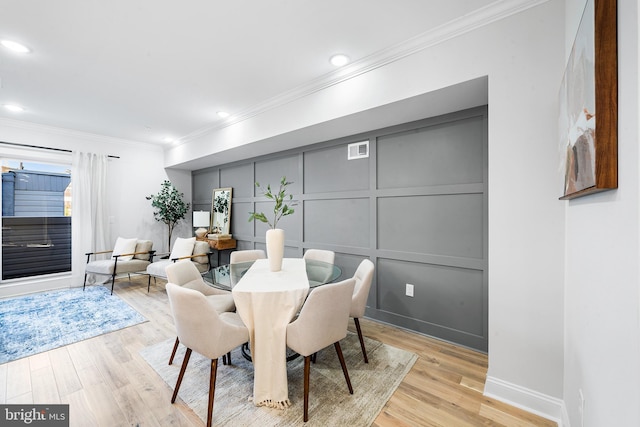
(275,248)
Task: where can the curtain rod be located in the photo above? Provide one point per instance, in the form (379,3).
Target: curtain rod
(46,148)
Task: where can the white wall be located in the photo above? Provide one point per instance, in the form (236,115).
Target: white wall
(602,345)
(137,173)
(523,57)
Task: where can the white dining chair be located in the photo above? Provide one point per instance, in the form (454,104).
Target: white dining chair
(363,277)
(186,274)
(322,321)
(246,255)
(202,329)
(320,255)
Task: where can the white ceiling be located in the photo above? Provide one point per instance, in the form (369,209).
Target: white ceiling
(143,70)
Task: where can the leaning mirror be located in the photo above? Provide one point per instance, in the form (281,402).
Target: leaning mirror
(221,211)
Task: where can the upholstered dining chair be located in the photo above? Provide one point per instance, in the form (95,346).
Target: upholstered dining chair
(243,256)
(319,274)
(186,274)
(363,277)
(320,255)
(246,255)
(202,329)
(322,321)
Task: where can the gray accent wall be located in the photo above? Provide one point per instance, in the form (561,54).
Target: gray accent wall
(417,207)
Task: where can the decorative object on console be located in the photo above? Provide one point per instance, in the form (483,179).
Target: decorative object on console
(275,236)
(202,220)
(169,206)
(218,236)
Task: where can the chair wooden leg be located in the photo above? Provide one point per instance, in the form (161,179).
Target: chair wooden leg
(344,367)
(113,281)
(149,284)
(307,367)
(212,390)
(175,348)
(85,281)
(187,355)
(364,351)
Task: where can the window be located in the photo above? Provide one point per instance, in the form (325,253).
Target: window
(36,219)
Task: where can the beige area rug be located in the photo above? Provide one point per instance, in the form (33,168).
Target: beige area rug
(330,403)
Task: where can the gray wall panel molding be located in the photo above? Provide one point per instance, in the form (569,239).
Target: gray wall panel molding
(417,207)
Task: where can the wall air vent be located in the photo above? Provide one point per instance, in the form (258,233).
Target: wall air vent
(358,150)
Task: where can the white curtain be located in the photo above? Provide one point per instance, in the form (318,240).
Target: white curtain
(89,224)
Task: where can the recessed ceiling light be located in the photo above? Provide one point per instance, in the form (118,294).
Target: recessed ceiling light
(168,139)
(15,46)
(223,114)
(14,108)
(339,60)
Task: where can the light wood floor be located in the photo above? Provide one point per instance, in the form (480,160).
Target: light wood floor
(107,383)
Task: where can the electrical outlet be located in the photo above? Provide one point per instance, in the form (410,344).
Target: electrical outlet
(409,290)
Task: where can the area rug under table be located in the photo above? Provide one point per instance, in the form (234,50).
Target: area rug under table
(40,322)
(330,403)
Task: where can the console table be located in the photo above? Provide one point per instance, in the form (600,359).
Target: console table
(219,245)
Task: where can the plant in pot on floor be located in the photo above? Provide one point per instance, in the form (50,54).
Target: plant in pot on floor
(170,208)
(275,236)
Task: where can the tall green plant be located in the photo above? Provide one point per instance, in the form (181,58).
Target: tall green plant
(281,208)
(169,206)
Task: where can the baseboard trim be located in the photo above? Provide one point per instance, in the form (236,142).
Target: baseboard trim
(531,401)
(23,287)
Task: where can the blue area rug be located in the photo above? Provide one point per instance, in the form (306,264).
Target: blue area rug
(40,322)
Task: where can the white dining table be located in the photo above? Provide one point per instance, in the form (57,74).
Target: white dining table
(266,302)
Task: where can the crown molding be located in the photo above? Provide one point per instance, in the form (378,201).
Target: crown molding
(479,18)
(70,133)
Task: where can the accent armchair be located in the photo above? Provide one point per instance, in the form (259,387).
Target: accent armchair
(128,256)
(184,250)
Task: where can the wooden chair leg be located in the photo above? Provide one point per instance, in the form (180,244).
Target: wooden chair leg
(212,389)
(187,355)
(175,348)
(307,367)
(113,281)
(364,351)
(85,281)
(149,287)
(344,367)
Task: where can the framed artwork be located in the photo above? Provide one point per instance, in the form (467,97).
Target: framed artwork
(221,211)
(589,104)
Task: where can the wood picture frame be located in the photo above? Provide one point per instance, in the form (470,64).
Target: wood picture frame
(589,104)
(221,211)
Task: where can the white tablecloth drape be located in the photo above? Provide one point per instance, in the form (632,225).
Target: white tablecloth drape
(267,301)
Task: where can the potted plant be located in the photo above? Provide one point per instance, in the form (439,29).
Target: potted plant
(169,206)
(275,236)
